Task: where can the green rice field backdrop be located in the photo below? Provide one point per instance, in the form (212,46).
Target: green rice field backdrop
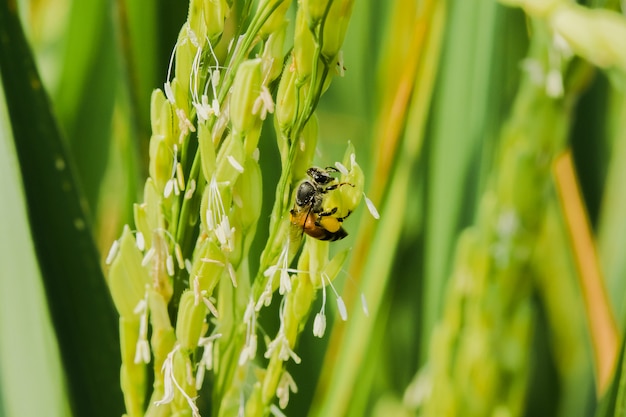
(315,208)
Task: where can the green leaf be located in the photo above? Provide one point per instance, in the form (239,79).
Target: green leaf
(29,356)
(78,299)
(87,90)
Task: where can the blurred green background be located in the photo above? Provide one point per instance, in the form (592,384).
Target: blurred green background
(429,86)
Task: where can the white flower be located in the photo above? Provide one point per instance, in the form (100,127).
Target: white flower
(263,104)
(206,362)
(366,310)
(219,223)
(285,385)
(371,207)
(170,382)
(554,83)
(142,349)
(249,318)
(282,266)
(319,324)
(184,124)
(281,345)
(235,164)
(112,252)
(341,306)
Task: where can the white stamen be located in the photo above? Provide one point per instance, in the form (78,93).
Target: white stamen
(190,189)
(141,242)
(285,385)
(169,264)
(209,219)
(233,275)
(341,306)
(206,362)
(234,163)
(167,88)
(554,84)
(169,382)
(203,110)
(112,252)
(142,352)
(188,266)
(534,69)
(281,345)
(342,168)
(192,36)
(148,256)
(209,304)
(141,306)
(276,411)
(285,282)
(562,46)
(215,77)
(215,106)
(167,190)
(180,176)
(371,207)
(179,256)
(249,318)
(184,124)
(142,348)
(255,154)
(263,104)
(212,261)
(364,305)
(319,325)
(270,271)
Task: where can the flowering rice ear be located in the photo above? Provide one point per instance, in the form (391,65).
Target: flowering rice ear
(225,99)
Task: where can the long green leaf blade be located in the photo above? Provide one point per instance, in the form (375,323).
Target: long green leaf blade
(78,299)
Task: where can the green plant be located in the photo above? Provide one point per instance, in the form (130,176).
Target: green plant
(474,125)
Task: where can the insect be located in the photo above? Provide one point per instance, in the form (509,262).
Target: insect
(309,212)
